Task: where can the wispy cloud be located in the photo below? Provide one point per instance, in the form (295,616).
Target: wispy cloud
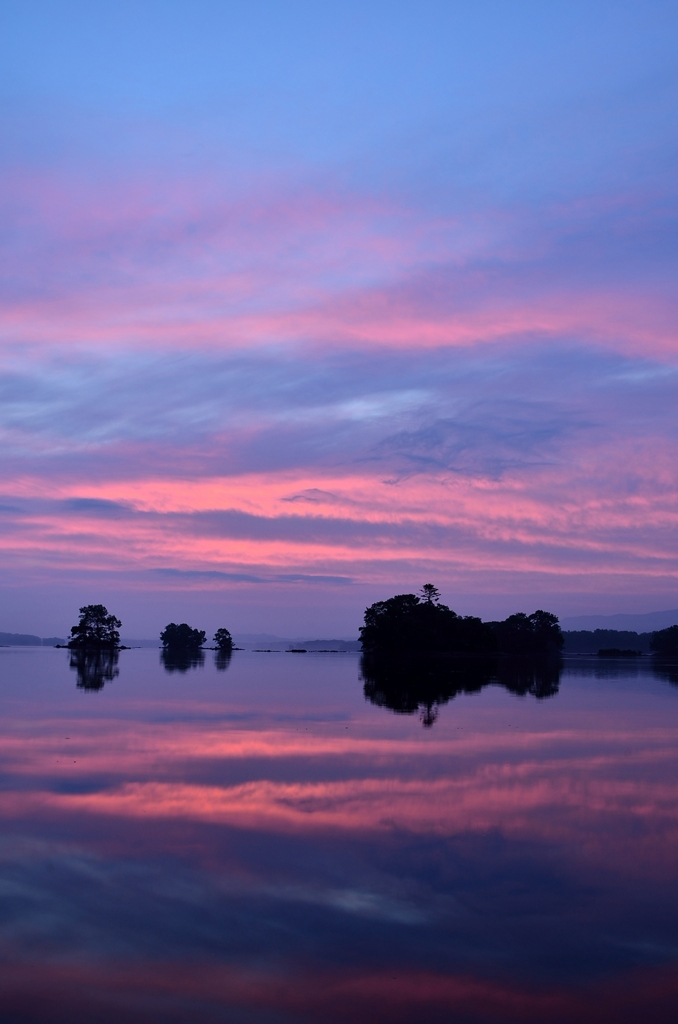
(349,371)
(517,460)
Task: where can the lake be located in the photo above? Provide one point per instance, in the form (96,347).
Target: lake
(255,841)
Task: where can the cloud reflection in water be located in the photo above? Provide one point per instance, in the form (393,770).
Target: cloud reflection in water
(286,850)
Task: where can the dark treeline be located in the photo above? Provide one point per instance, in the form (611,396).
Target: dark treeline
(404,623)
(664,642)
(420,623)
(411,624)
(590,641)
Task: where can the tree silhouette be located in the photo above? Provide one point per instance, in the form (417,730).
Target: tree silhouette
(223,640)
(407,623)
(538,633)
(182,636)
(96,629)
(665,641)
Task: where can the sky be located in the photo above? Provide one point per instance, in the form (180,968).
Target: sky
(303,305)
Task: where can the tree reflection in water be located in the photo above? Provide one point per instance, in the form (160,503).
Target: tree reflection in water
(666,669)
(94,667)
(180,659)
(538,677)
(408,685)
(222,659)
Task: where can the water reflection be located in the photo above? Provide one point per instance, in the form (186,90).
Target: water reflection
(181,659)
(280,850)
(222,659)
(424,684)
(94,667)
(637,668)
(536,677)
(666,669)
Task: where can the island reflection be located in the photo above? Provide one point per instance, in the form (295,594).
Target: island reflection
(423,684)
(222,659)
(181,659)
(94,667)
(666,669)
(517,864)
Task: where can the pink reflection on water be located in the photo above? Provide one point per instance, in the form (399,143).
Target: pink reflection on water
(563,785)
(282,794)
(162,992)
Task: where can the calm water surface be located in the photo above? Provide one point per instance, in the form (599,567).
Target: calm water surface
(257,842)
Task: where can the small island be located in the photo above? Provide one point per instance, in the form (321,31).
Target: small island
(96,630)
(95,645)
(182,637)
(420,624)
(419,654)
(182,647)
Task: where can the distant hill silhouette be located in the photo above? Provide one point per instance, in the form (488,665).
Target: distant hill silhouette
(252,641)
(29,640)
(646,622)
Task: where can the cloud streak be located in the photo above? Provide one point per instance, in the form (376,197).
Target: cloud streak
(178,265)
(507,463)
(451,350)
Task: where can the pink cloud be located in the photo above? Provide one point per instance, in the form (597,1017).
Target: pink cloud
(112,289)
(188,264)
(554,521)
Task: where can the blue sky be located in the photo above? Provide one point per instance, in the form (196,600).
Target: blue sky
(394,284)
